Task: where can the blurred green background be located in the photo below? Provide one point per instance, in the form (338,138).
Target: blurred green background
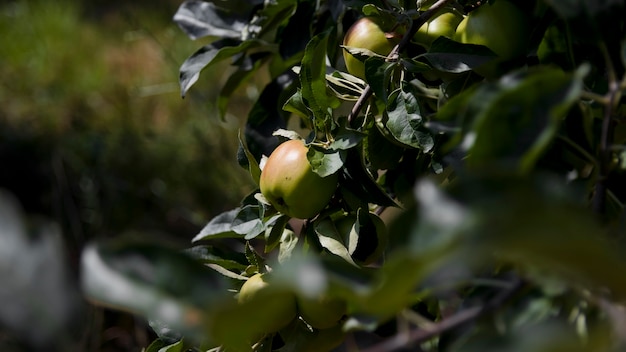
(95,136)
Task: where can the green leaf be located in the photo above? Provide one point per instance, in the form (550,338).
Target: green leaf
(535,222)
(220,226)
(248,222)
(252,165)
(449,56)
(359,183)
(275,228)
(346,138)
(161,345)
(405,121)
(325,162)
(332,240)
(254,258)
(378,73)
(313,80)
(156,282)
(517,121)
(227,259)
(208,56)
(297,105)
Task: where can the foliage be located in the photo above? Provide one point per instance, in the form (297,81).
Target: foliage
(95,142)
(503,195)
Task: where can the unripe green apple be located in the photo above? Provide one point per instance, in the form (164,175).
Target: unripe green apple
(291,186)
(282,304)
(501,26)
(443,23)
(366,240)
(366,33)
(321,312)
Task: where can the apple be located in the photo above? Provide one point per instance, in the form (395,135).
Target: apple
(443,23)
(366,237)
(501,26)
(292,187)
(281,304)
(366,33)
(321,312)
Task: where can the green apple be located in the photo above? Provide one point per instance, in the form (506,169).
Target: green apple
(443,23)
(501,26)
(366,237)
(321,312)
(366,33)
(281,304)
(291,186)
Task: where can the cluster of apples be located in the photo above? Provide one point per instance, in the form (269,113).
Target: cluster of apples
(322,313)
(290,185)
(501,26)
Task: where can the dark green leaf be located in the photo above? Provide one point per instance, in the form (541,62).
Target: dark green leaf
(359,183)
(405,121)
(276,229)
(267,115)
(313,80)
(346,138)
(378,72)
(294,37)
(209,55)
(227,259)
(296,105)
(252,165)
(267,20)
(248,222)
(156,282)
(450,56)
(160,346)
(535,222)
(520,120)
(220,226)
(254,258)
(332,240)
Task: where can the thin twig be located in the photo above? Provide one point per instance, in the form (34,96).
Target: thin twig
(465,316)
(394,55)
(606,137)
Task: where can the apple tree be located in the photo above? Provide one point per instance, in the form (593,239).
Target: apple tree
(432,176)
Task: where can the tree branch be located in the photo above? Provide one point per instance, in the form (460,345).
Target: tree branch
(606,137)
(420,335)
